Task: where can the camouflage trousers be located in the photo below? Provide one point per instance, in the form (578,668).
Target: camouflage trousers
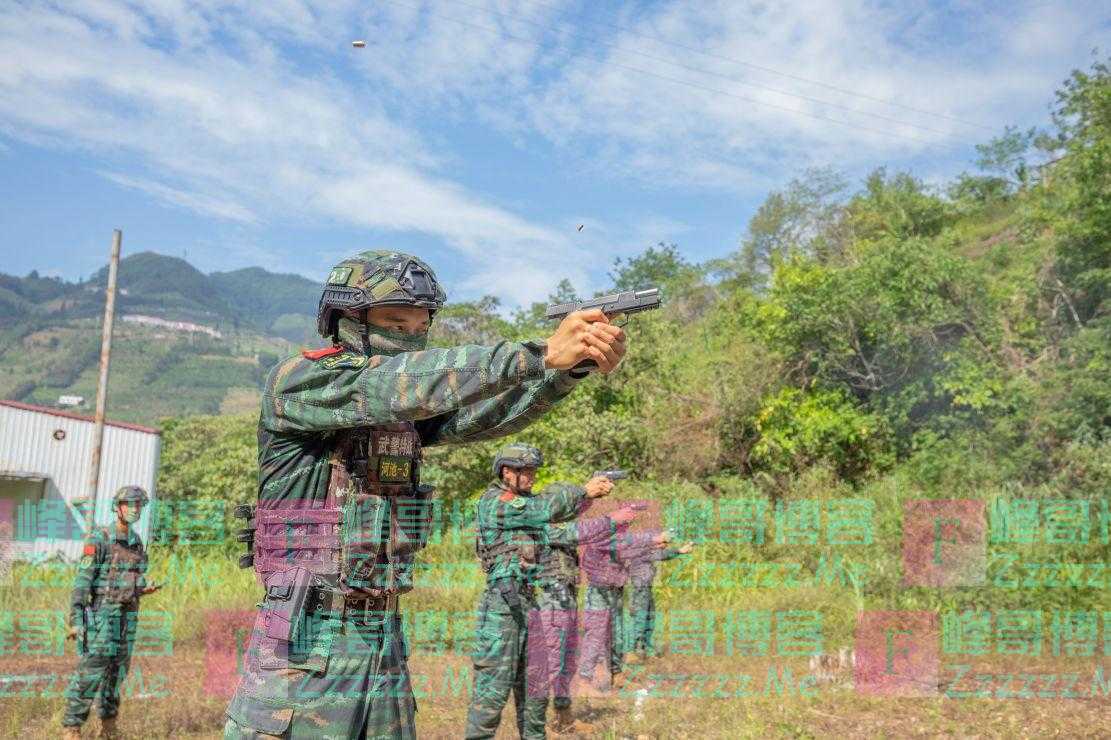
(642,618)
(102,667)
(346,677)
(553,642)
(500,659)
(603,629)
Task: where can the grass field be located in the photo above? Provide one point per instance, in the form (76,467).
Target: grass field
(694,689)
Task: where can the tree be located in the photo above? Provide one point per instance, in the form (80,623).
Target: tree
(661,265)
(1006,155)
(472,322)
(531,321)
(896,206)
(801,219)
(1077,207)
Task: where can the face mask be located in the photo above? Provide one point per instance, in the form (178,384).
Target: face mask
(131,514)
(380,341)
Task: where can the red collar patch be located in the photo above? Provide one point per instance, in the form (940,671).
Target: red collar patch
(506,497)
(316,354)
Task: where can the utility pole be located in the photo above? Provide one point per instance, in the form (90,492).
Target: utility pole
(102,382)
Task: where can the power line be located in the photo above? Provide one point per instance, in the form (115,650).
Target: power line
(788,75)
(695,85)
(710,72)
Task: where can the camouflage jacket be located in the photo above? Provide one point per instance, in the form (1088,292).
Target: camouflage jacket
(559,554)
(642,566)
(112,570)
(607,563)
(461,394)
(512,528)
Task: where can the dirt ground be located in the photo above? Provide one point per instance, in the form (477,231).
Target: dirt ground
(184,696)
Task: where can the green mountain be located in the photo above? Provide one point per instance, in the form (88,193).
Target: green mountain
(284,303)
(184,342)
(170,288)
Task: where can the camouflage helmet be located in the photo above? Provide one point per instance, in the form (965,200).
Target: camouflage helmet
(130,495)
(377,278)
(517,455)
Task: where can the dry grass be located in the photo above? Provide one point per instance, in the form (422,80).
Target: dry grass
(676,707)
(672,711)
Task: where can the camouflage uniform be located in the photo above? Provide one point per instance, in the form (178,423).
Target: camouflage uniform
(642,608)
(341,512)
(104,609)
(553,627)
(606,571)
(511,531)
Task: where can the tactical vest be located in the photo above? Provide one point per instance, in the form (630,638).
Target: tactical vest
(559,563)
(523,544)
(118,578)
(363,537)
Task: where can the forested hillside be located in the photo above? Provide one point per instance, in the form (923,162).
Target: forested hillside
(889,340)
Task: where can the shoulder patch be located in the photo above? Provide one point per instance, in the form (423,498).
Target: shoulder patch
(316,354)
(90,549)
(346,359)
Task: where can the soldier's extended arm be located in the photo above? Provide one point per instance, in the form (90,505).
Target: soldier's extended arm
(347,389)
(593,532)
(502,415)
(526,512)
(631,546)
(660,554)
(557,488)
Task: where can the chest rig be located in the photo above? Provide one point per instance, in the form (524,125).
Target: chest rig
(559,563)
(493,546)
(118,581)
(363,537)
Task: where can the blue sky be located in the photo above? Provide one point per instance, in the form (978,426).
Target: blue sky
(481,133)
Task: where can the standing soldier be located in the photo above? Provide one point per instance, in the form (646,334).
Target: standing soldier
(103,614)
(341,512)
(512,529)
(553,627)
(642,607)
(607,572)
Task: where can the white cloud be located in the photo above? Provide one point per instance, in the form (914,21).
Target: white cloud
(642,113)
(199,202)
(244,130)
(260,112)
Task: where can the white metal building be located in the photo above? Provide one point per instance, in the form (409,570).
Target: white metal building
(44,460)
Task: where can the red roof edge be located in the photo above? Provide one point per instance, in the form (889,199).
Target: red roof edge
(77,417)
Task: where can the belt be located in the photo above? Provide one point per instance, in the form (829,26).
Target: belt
(369,609)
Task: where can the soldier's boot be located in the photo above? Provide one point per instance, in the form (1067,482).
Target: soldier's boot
(634,658)
(565,724)
(70,732)
(618,680)
(108,729)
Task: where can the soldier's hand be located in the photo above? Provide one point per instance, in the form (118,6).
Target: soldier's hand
(623,516)
(686,548)
(151,589)
(585,335)
(71,633)
(662,539)
(597,487)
